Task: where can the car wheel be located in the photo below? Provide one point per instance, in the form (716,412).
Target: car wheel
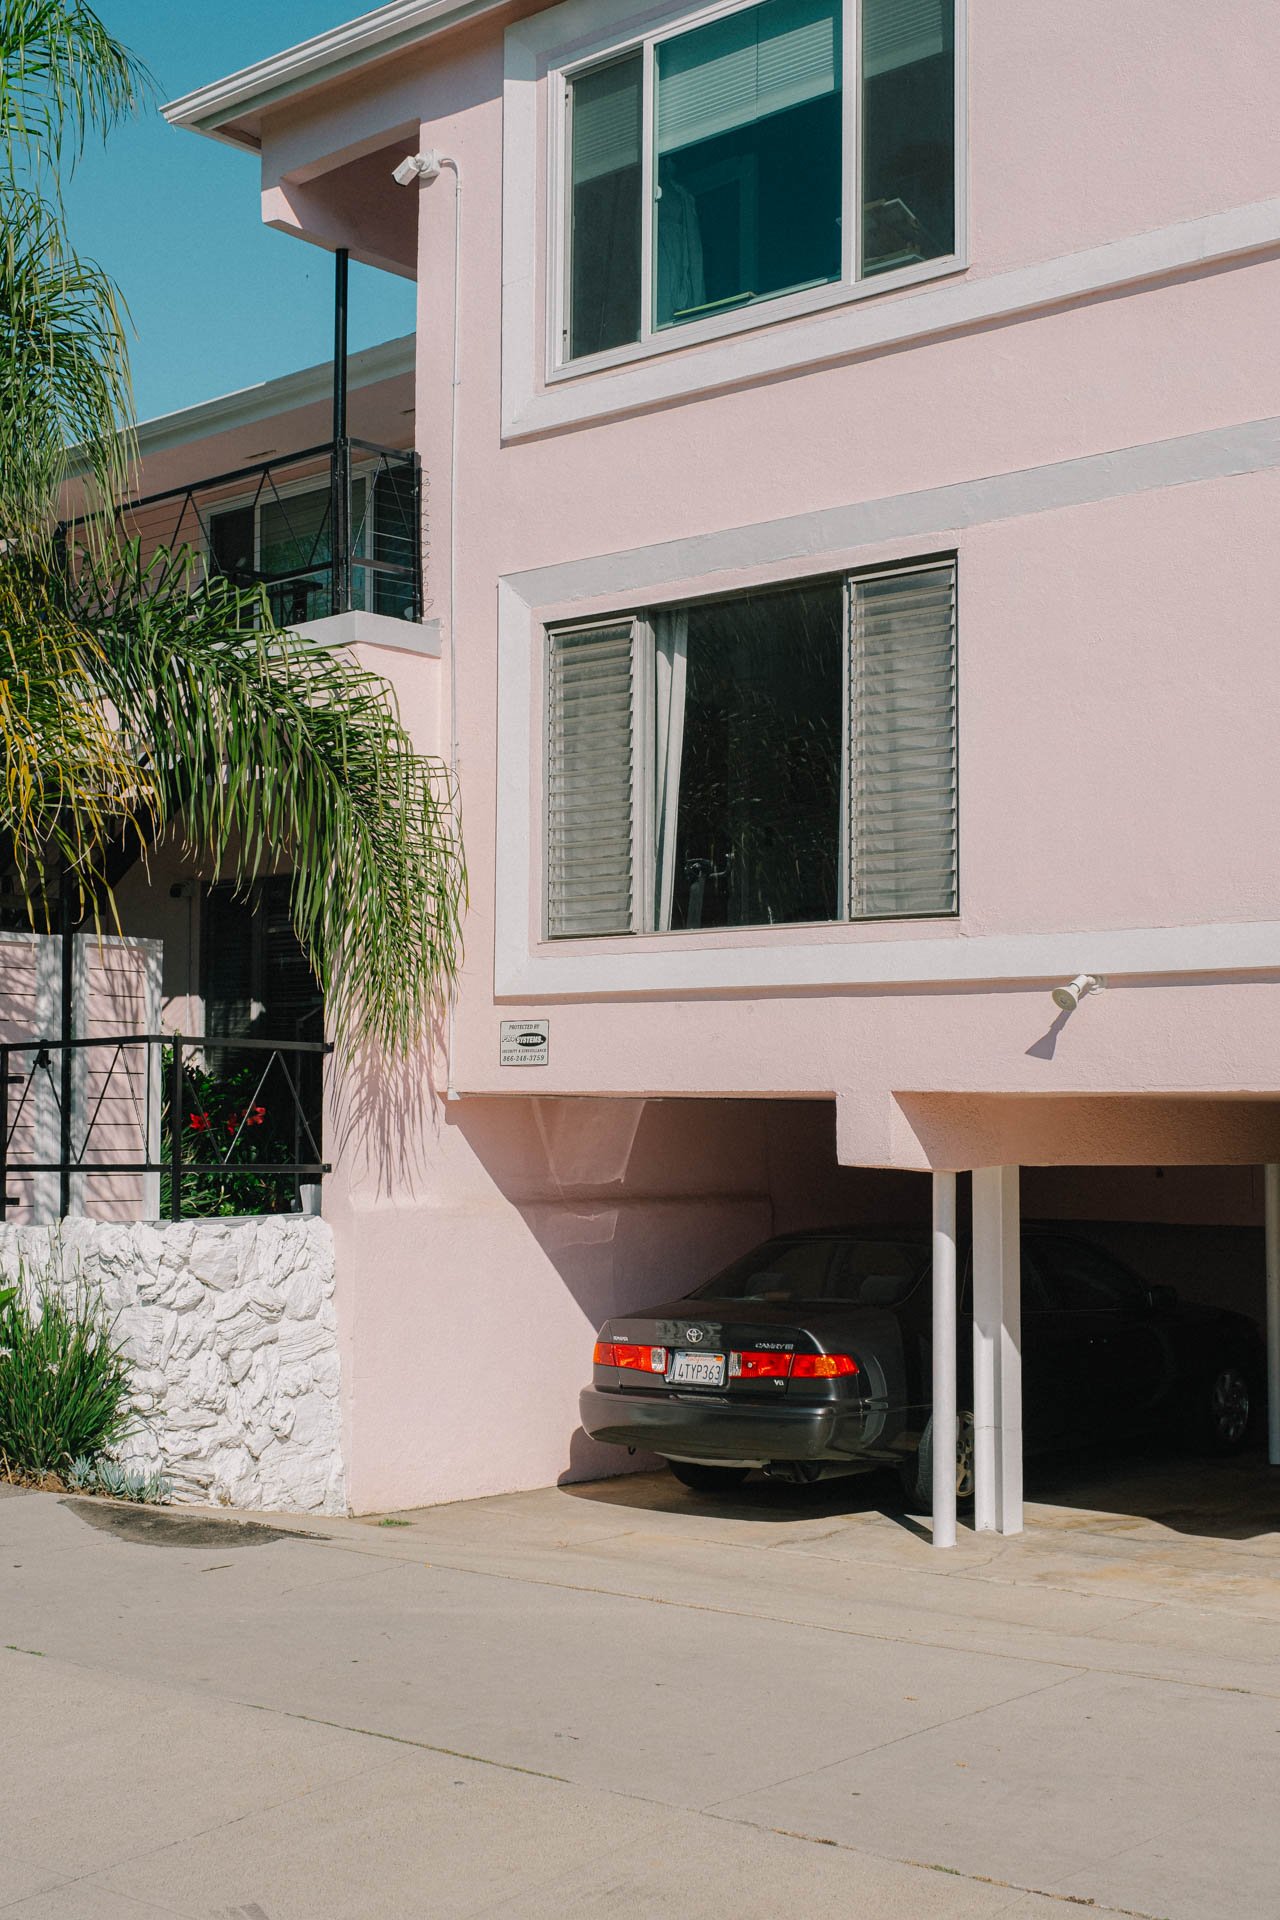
(708,1479)
(917,1473)
(1225,1409)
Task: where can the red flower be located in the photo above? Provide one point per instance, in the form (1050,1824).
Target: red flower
(199,1123)
(256,1117)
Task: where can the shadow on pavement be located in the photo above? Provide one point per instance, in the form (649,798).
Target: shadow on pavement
(170,1527)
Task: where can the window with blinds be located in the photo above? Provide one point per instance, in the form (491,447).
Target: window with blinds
(742,188)
(591,781)
(782,757)
(902,745)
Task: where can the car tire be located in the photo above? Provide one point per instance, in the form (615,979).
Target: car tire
(690,1473)
(1224,1409)
(917,1473)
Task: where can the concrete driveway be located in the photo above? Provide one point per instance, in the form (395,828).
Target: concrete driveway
(619,1699)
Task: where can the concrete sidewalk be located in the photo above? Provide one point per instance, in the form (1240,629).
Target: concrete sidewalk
(619,1699)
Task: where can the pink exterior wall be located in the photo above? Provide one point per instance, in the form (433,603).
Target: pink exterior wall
(1118,684)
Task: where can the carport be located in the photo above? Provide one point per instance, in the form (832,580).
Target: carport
(994,1137)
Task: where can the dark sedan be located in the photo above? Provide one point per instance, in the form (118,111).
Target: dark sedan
(811,1356)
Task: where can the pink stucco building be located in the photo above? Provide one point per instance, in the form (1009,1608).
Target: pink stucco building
(851,467)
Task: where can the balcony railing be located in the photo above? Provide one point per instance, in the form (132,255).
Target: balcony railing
(330,529)
(160,1125)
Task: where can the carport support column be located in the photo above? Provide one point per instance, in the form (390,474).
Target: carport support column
(944,1359)
(997,1350)
(1271,1192)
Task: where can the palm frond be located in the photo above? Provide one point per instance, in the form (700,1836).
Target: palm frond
(70,782)
(62,77)
(260,741)
(64,378)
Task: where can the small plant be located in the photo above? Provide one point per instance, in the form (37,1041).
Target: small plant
(64,1380)
(118,1482)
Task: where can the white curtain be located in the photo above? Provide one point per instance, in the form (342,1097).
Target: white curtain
(671,654)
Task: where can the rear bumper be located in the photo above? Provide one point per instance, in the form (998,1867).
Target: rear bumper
(697,1429)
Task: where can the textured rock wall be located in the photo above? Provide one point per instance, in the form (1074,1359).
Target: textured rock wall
(231,1329)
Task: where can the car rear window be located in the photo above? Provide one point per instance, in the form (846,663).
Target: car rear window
(860,1273)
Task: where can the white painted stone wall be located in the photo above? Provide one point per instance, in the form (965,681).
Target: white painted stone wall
(231,1329)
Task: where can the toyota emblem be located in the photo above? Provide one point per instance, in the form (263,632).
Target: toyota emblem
(693,1335)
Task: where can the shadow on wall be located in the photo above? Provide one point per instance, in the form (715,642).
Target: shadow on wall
(631,1201)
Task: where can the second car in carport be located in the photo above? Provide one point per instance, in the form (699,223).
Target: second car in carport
(811,1356)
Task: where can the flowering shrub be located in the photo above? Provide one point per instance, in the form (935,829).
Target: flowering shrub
(232,1112)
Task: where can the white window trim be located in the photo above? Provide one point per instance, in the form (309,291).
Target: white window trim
(841,953)
(643,825)
(924,301)
(580,34)
(850,286)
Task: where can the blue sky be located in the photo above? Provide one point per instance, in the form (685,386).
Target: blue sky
(217,300)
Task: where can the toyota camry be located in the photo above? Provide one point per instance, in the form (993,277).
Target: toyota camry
(810,1357)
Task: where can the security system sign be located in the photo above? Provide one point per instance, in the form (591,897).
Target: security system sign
(525,1043)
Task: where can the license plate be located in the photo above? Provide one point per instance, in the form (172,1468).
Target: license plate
(696,1370)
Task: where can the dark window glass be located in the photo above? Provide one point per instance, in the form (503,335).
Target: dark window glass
(867,1273)
(1079,1279)
(395,538)
(604,189)
(908,132)
(231,545)
(750,698)
(748,146)
(257,979)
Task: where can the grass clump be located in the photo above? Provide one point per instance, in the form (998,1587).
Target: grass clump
(64,1379)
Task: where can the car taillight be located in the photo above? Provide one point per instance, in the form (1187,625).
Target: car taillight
(610,1353)
(822,1366)
(759,1366)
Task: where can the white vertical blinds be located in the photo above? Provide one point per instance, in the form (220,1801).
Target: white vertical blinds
(737,70)
(896,33)
(591,782)
(902,744)
(606,120)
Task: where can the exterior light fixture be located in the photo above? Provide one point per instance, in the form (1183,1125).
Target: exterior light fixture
(1068,998)
(418,166)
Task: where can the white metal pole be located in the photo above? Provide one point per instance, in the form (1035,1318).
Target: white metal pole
(997,1350)
(944,1359)
(1271,1191)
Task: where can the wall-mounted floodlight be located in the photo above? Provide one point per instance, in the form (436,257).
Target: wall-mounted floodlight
(418,166)
(1068,998)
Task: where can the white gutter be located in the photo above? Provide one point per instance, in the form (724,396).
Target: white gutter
(302,388)
(373,36)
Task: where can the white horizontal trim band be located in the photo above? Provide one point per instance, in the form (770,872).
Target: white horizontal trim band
(1133,952)
(859,326)
(833,539)
(928,515)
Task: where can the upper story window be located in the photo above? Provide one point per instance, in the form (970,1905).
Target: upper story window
(757,155)
(779,757)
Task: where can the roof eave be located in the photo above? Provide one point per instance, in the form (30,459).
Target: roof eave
(226,109)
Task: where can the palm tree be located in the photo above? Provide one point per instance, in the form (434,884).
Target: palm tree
(139,698)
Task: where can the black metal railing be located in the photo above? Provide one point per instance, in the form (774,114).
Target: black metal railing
(329,529)
(243,1136)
